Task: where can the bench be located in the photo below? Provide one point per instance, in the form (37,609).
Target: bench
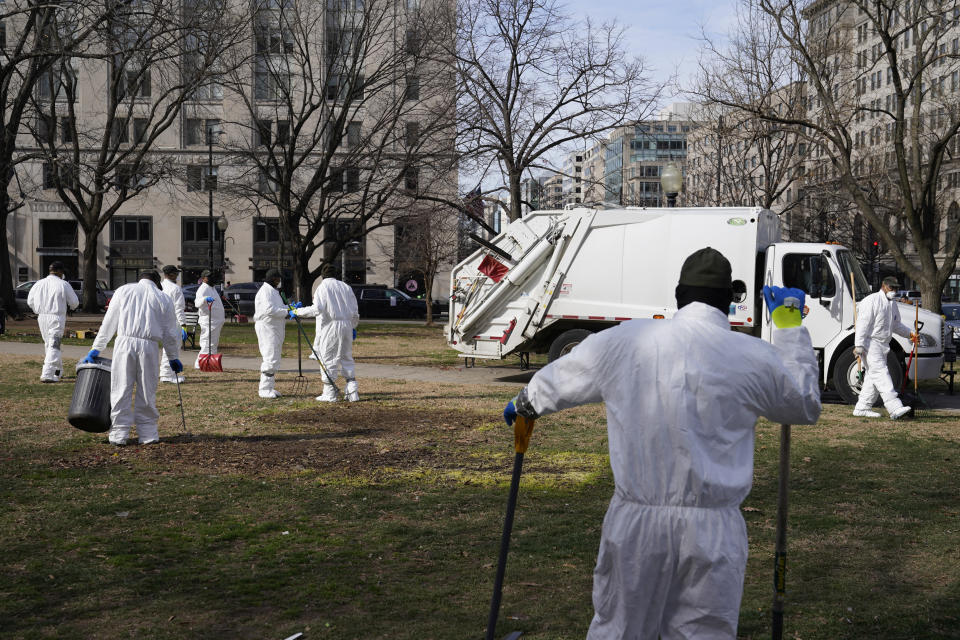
(190,322)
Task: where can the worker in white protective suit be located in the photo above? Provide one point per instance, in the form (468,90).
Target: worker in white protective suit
(336,305)
(270,316)
(142,318)
(209,316)
(175,293)
(49,299)
(682,399)
(878,318)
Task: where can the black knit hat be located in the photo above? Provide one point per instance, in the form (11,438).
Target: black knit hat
(706,268)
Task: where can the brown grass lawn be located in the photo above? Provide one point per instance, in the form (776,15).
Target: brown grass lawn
(382,519)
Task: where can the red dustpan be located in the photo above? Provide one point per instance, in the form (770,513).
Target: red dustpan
(211,361)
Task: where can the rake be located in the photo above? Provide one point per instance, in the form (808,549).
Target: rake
(303,334)
(183,416)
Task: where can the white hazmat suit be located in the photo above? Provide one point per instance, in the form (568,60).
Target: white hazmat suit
(142,317)
(877,320)
(270,316)
(318,335)
(175,293)
(336,305)
(49,299)
(210,320)
(682,399)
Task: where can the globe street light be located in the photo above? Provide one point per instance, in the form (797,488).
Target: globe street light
(353,245)
(222,225)
(671,181)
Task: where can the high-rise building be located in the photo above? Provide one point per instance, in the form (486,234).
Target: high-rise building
(209,184)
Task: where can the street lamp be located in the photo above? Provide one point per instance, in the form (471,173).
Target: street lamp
(671,181)
(222,225)
(211,130)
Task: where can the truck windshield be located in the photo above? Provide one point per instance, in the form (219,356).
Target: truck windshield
(848,265)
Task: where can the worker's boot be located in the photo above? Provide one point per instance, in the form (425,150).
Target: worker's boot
(329,394)
(351,392)
(266,385)
(895,408)
(118,435)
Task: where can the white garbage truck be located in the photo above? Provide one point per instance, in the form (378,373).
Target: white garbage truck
(553,277)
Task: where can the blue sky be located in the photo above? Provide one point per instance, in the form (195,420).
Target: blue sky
(664,33)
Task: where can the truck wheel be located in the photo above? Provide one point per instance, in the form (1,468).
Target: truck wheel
(845,375)
(565,342)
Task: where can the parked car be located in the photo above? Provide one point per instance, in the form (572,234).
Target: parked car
(103,294)
(381,301)
(241,297)
(190,293)
(23,291)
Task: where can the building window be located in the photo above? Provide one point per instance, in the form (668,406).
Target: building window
(45,127)
(195,130)
(352,179)
(130,229)
(411,179)
(283,131)
(261,133)
(353,134)
(140,129)
(201,178)
(412,134)
(269,83)
(267,184)
(412,90)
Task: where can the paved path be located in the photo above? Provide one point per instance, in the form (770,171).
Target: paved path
(492,372)
(486,372)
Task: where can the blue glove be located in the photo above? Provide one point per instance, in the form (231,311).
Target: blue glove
(785,305)
(354,334)
(291,314)
(209,299)
(176,365)
(90,357)
(296,305)
(183,334)
(509,413)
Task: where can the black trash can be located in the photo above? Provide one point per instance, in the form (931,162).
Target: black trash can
(90,406)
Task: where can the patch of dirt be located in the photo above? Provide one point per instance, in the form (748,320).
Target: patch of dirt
(349,439)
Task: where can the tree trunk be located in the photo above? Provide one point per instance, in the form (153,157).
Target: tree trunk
(8,298)
(89,301)
(428,285)
(515,193)
(930,295)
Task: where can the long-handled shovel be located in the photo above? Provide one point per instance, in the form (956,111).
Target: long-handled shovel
(211,361)
(326,374)
(522,429)
(780,549)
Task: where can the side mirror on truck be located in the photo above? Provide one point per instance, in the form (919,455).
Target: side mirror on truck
(739,291)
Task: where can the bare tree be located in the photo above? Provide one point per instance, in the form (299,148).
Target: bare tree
(532,79)
(348,120)
(427,240)
(881,117)
(36,35)
(156,55)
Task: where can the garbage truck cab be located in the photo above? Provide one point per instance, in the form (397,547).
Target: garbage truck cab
(553,277)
